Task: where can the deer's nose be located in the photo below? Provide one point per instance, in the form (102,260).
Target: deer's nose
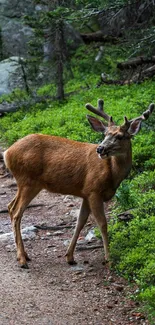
(100,149)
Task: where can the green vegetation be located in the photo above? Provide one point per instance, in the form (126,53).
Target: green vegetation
(132,243)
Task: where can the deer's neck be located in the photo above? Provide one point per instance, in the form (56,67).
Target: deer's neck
(121,166)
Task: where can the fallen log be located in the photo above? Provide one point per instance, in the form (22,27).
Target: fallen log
(112,82)
(133,63)
(149,72)
(137,78)
(98,37)
(56,227)
(87,247)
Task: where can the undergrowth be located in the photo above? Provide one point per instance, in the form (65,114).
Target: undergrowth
(132,243)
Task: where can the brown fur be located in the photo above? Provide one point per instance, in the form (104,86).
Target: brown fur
(68,167)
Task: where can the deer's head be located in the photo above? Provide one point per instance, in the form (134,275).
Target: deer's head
(117,138)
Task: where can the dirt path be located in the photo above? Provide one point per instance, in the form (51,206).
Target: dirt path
(51,292)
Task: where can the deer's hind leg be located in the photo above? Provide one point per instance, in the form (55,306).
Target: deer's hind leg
(11,205)
(16,209)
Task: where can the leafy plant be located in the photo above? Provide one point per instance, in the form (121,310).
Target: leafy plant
(132,243)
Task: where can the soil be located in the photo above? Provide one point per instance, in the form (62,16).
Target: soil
(51,292)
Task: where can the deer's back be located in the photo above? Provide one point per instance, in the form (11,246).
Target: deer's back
(57,164)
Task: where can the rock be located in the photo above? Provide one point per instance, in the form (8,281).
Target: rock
(4,91)
(27,233)
(15,37)
(11,75)
(90,235)
(29,229)
(58,233)
(68,198)
(66,242)
(77,268)
(14,8)
(15,34)
(74,213)
(7,237)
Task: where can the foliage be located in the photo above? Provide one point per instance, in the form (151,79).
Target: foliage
(132,244)
(67,118)
(133,251)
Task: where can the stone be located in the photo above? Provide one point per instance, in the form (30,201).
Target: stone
(11,75)
(15,37)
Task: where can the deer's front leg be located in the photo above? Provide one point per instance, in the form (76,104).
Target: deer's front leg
(82,219)
(97,208)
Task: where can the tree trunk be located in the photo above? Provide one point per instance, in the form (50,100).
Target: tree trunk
(59,48)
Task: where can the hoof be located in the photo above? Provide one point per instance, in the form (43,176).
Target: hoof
(72,262)
(107,263)
(24,266)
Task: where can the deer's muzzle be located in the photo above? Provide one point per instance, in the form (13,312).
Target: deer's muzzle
(102,152)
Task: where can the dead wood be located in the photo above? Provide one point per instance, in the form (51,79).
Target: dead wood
(149,72)
(112,82)
(133,63)
(125,216)
(56,227)
(4,211)
(86,247)
(137,78)
(98,37)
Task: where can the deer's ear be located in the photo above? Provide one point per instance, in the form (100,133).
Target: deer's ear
(96,124)
(134,127)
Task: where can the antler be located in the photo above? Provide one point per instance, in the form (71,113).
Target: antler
(145,115)
(99,111)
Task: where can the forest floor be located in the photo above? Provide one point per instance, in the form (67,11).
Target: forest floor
(51,292)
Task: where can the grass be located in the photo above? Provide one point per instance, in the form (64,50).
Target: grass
(132,244)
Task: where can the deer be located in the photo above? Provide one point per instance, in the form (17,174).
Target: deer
(90,171)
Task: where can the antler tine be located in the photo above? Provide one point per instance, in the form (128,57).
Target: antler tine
(99,111)
(126,124)
(145,114)
(143,117)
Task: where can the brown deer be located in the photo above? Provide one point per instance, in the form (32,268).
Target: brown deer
(69,167)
